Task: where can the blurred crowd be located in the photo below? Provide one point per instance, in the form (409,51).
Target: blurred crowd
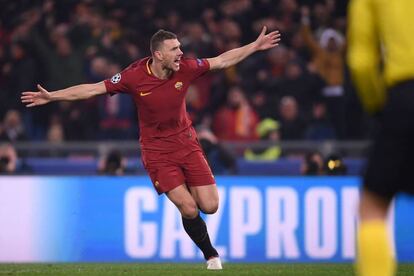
(297,91)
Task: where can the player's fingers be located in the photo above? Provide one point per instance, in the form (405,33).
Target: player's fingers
(27,101)
(274,34)
(31,105)
(27,93)
(41,88)
(263,32)
(276,39)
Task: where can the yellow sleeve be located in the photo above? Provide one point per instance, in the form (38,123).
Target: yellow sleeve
(364,54)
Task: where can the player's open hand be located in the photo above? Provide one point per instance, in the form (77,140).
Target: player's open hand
(266,41)
(31,99)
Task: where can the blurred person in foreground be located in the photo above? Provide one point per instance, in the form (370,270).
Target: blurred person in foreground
(381,59)
(171,153)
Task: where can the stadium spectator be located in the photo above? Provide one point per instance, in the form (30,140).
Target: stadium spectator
(313,164)
(303,87)
(237,120)
(197,41)
(319,127)
(328,61)
(12,128)
(20,73)
(63,62)
(55,133)
(268,131)
(8,159)
(292,126)
(112,164)
(263,104)
(277,59)
(219,158)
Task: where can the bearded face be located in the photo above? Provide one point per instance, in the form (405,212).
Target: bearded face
(170,54)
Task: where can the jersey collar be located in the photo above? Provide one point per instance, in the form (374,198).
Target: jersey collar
(147,65)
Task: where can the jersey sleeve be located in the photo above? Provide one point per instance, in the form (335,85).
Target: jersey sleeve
(196,67)
(364,55)
(119,83)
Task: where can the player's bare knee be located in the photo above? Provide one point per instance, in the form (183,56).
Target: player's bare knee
(189,210)
(210,208)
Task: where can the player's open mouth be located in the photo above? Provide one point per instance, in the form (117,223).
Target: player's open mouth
(177,61)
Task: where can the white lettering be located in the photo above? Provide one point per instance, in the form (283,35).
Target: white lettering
(245,218)
(349,208)
(320,222)
(140,238)
(282,221)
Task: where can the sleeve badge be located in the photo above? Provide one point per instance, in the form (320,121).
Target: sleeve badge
(116,78)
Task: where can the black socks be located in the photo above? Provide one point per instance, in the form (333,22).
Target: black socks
(197,230)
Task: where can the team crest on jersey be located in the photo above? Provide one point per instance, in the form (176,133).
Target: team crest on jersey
(116,78)
(178,85)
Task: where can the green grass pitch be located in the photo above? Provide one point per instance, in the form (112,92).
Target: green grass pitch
(184,269)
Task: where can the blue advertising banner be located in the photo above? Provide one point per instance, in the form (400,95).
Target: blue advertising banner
(260,219)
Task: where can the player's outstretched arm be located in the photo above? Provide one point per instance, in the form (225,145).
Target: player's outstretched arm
(263,42)
(73,93)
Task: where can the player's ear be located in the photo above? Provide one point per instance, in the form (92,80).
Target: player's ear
(158,55)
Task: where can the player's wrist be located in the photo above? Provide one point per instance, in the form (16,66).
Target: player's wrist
(255,46)
(53,96)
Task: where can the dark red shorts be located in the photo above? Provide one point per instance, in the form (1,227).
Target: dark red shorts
(169,170)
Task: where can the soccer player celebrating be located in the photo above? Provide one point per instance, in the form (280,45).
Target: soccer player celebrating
(381,57)
(171,153)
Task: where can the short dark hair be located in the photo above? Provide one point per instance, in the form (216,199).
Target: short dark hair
(159,38)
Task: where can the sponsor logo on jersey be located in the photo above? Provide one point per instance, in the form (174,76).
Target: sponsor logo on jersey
(116,78)
(178,85)
(143,93)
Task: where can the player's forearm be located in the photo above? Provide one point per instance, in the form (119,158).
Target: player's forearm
(73,93)
(236,55)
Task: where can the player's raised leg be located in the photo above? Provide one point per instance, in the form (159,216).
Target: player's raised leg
(207,199)
(193,224)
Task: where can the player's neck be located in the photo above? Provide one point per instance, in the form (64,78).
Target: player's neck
(159,71)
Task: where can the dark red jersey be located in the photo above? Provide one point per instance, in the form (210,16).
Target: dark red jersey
(160,103)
